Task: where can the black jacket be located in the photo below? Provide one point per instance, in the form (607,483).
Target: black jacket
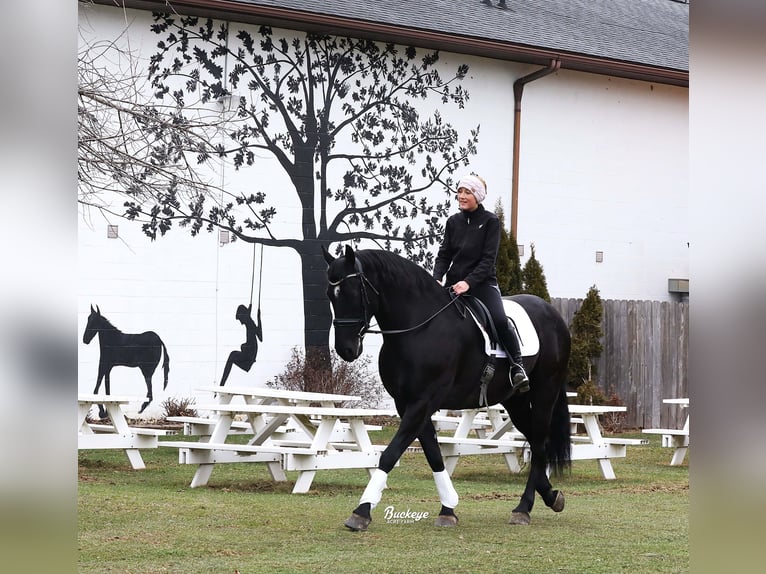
(469,248)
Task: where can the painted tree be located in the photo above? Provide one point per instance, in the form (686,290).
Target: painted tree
(341,117)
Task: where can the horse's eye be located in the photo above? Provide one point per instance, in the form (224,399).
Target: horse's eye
(336,291)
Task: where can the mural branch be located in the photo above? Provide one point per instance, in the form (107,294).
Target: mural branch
(342,117)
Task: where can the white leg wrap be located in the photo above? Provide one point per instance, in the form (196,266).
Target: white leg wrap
(447,493)
(374,491)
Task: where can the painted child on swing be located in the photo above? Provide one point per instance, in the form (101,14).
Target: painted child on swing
(245,357)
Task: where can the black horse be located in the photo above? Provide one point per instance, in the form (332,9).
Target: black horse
(142,350)
(433,358)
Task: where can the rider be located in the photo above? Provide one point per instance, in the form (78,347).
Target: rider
(467,254)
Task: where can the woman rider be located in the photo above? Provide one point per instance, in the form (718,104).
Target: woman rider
(467,255)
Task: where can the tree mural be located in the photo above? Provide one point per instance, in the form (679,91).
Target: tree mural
(340,116)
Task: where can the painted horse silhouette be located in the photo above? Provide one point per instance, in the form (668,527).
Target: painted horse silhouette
(118,349)
(433,358)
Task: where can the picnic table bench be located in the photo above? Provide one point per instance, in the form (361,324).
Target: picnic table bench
(285,431)
(674,438)
(118,434)
(497,435)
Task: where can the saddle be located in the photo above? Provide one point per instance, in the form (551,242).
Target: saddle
(518,318)
(483,319)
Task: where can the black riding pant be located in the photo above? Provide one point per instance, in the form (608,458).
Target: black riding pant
(490,295)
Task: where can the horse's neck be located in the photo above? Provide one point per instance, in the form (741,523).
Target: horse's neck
(108,334)
(402,308)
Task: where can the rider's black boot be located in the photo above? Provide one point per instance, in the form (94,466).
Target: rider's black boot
(517,374)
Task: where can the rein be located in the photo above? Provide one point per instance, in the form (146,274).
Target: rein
(365,321)
(416,327)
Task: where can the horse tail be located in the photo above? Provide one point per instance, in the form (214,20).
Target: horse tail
(558,449)
(165,365)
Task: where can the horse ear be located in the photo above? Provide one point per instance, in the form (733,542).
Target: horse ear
(98,311)
(326,254)
(91,308)
(350,257)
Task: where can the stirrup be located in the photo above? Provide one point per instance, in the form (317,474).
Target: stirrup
(519,379)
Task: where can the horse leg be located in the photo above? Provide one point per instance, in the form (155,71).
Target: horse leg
(99,378)
(148,378)
(531,425)
(535,482)
(447,494)
(107,389)
(412,423)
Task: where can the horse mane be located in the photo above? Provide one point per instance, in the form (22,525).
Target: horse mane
(106,324)
(393,269)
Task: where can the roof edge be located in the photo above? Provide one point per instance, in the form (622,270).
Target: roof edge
(313,22)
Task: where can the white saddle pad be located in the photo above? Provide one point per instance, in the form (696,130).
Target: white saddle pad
(530,343)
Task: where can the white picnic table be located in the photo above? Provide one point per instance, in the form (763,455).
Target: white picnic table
(284,429)
(118,434)
(497,435)
(675,438)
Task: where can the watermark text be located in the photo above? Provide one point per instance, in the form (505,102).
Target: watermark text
(408,516)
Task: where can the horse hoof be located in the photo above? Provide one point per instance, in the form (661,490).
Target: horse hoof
(446,520)
(521,518)
(357,523)
(558,503)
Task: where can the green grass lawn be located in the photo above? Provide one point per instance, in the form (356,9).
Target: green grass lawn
(150,521)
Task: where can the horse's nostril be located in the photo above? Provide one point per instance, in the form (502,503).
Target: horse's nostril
(346,353)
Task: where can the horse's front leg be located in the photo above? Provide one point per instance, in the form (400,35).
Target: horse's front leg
(412,423)
(447,494)
(99,378)
(103,373)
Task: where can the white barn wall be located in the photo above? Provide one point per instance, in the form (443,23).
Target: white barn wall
(603,167)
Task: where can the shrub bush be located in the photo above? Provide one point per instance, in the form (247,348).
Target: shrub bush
(586,339)
(534,277)
(508,264)
(178,407)
(343,378)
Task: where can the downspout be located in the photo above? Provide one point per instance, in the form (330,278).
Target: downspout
(518,90)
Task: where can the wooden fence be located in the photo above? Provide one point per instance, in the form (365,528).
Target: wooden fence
(645,357)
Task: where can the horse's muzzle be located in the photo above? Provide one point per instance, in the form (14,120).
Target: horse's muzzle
(350,349)
(348,337)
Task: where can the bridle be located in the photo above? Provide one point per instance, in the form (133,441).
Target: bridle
(364,321)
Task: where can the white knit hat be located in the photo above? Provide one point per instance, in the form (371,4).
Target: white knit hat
(474,185)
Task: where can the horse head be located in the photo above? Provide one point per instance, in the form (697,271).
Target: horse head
(348,292)
(93,325)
